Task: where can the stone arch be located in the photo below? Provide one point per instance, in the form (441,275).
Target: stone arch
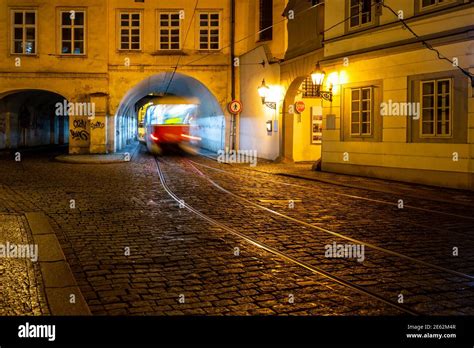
(211,117)
(28,118)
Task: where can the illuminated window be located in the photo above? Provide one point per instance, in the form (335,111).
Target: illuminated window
(436,119)
(361,12)
(361,111)
(130,30)
(209,30)
(170,24)
(72,32)
(24,32)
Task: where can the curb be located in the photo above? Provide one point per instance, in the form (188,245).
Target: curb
(59,281)
(92,159)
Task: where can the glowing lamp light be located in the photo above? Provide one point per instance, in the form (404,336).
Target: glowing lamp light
(318,76)
(263,91)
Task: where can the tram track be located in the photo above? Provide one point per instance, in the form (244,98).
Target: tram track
(466,238)
(282,255)
(379,201)
(336,234)
(282,183)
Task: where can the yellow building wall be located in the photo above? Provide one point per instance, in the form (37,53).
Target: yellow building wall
(303,149)
(394,151)
(386,52)
(103,69)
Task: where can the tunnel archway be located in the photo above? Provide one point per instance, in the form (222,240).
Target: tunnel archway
(210,117)
(28,119)
(302,130)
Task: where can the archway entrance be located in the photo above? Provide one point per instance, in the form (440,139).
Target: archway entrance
(302,137)
(28,118)
(210,117)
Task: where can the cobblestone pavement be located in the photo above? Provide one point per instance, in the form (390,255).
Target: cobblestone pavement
(20,286)
(134,251)
(425,289)
(304,170)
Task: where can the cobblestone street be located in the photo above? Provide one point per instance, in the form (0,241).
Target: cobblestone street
(134,250)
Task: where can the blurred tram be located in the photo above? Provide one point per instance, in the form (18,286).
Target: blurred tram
(170,122)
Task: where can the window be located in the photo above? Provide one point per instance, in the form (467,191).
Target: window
(24,32)
(170,31)
(266,20)
(130,27)
(361,111)
(209,30)
(436,110)
(429,3)
(72,32)
(361,13)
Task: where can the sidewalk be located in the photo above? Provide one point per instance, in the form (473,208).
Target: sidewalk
(304,171)
(122,156)
(21,287)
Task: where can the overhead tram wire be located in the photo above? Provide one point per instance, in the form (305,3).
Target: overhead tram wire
(253,35)
(375,3)
(184,43)
(427,44)
(277,23)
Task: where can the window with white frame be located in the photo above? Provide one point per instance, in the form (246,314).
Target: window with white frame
(361,111)
(24,32)
(72,32)
(209,30)
(170,30)
(130,30)
(361,13)
(436,108)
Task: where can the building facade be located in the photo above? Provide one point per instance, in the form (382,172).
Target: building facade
(399,73)
(106,56)
(401,112)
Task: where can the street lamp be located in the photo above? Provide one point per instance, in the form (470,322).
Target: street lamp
(263,91)
(317,76)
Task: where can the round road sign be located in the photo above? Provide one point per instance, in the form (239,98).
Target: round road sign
(235,107)
(300,106)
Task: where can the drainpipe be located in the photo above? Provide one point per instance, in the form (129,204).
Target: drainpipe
(233,127)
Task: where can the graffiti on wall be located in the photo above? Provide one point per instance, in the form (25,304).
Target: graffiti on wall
(80,133)
(97,125)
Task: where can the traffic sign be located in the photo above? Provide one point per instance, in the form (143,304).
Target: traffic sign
(300,106)
(235,107)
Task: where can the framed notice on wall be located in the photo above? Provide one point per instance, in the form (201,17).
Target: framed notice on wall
(316,125)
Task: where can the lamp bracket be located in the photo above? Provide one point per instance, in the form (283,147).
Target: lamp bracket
(271,105)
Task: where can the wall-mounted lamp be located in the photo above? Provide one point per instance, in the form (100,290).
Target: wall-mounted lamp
(269,126)
(317,76)
(263,91)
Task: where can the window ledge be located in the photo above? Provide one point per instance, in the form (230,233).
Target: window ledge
(32,55)
(71,55)
(129,51)
(209,51)
(169,53)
